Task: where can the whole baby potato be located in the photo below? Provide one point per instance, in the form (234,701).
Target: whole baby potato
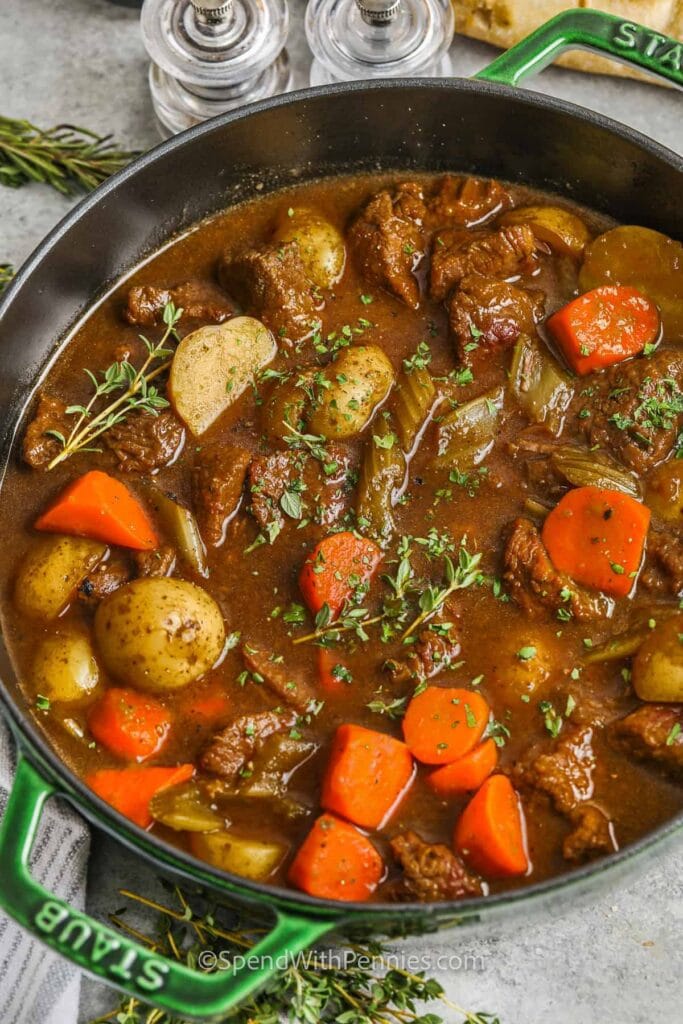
(64,667)
(359,381)
(159,634)
(658,665)
(51,572)
(562,230)
(321,246)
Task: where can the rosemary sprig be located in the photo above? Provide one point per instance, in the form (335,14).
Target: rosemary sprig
(456,578)
(65,157)
(6,274)
(359,985)
(137,394)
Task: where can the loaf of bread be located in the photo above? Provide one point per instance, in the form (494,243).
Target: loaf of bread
(505,22)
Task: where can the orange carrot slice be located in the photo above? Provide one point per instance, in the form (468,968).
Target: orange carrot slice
(336,862)
(335,567)
(597,537)
(367,774)
(101,508)
(467,773)
(129,724)
(490,832)
(604,326)
(440,724)
(129,790)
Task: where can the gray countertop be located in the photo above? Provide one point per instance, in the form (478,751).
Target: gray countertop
(617,960)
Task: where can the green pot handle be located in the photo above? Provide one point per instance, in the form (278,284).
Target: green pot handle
(585,29)
(113,956)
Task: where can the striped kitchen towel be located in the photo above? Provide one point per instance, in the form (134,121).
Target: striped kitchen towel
(37,986)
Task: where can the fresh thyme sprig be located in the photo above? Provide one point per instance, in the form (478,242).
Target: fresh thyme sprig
(137,394)
(456,578)
(359,986)
(313,443)
(6,274)
(65,157)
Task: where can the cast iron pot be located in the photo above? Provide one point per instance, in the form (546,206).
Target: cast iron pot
(483,127)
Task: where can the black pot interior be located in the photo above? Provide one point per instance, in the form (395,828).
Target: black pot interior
(437,125)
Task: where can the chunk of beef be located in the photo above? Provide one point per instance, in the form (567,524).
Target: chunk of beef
(231,748)
(199,300)
(271,283)
(431,871)
(40,446)
(105,579)
(653,732)
(269,477)
(534,582)
(564,776)
(636,409)
(327,495)
(387,241)
(433,653)
(218,477)
(564,773)
(592,835)
(500,254)
(155,563)
(143,443)
(663,570)
(273,674)
(493,312)
(466,202)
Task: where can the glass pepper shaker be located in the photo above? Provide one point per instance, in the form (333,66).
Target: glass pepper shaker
(210,56)
(379,39)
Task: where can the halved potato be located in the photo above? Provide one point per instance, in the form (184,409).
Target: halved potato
(250,858)
(321,246)
(214,365)
(658,665)
(645,259)
(158,633)
(51,572)
(64,667)
(563,231)
(358,382)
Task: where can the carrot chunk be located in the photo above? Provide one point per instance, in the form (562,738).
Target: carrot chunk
(129,724)
(367,774)
(467,773)
(335,567)
(490,833)
(440,725)
(129,790)
(101,508)
(334,677)
(597,537)
(336,862)
(604,326)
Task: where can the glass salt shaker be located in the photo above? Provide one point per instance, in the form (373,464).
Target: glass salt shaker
(210,56)
(361,39)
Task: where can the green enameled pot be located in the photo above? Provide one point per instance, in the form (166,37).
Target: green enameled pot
(482,126)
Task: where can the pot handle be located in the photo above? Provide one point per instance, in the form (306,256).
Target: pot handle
(112,955)
(585,29)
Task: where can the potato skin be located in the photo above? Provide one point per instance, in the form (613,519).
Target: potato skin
(64,668)
(159,634)
(51,572)
(360,380)
(321,246)
(562,230)
(658,665)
